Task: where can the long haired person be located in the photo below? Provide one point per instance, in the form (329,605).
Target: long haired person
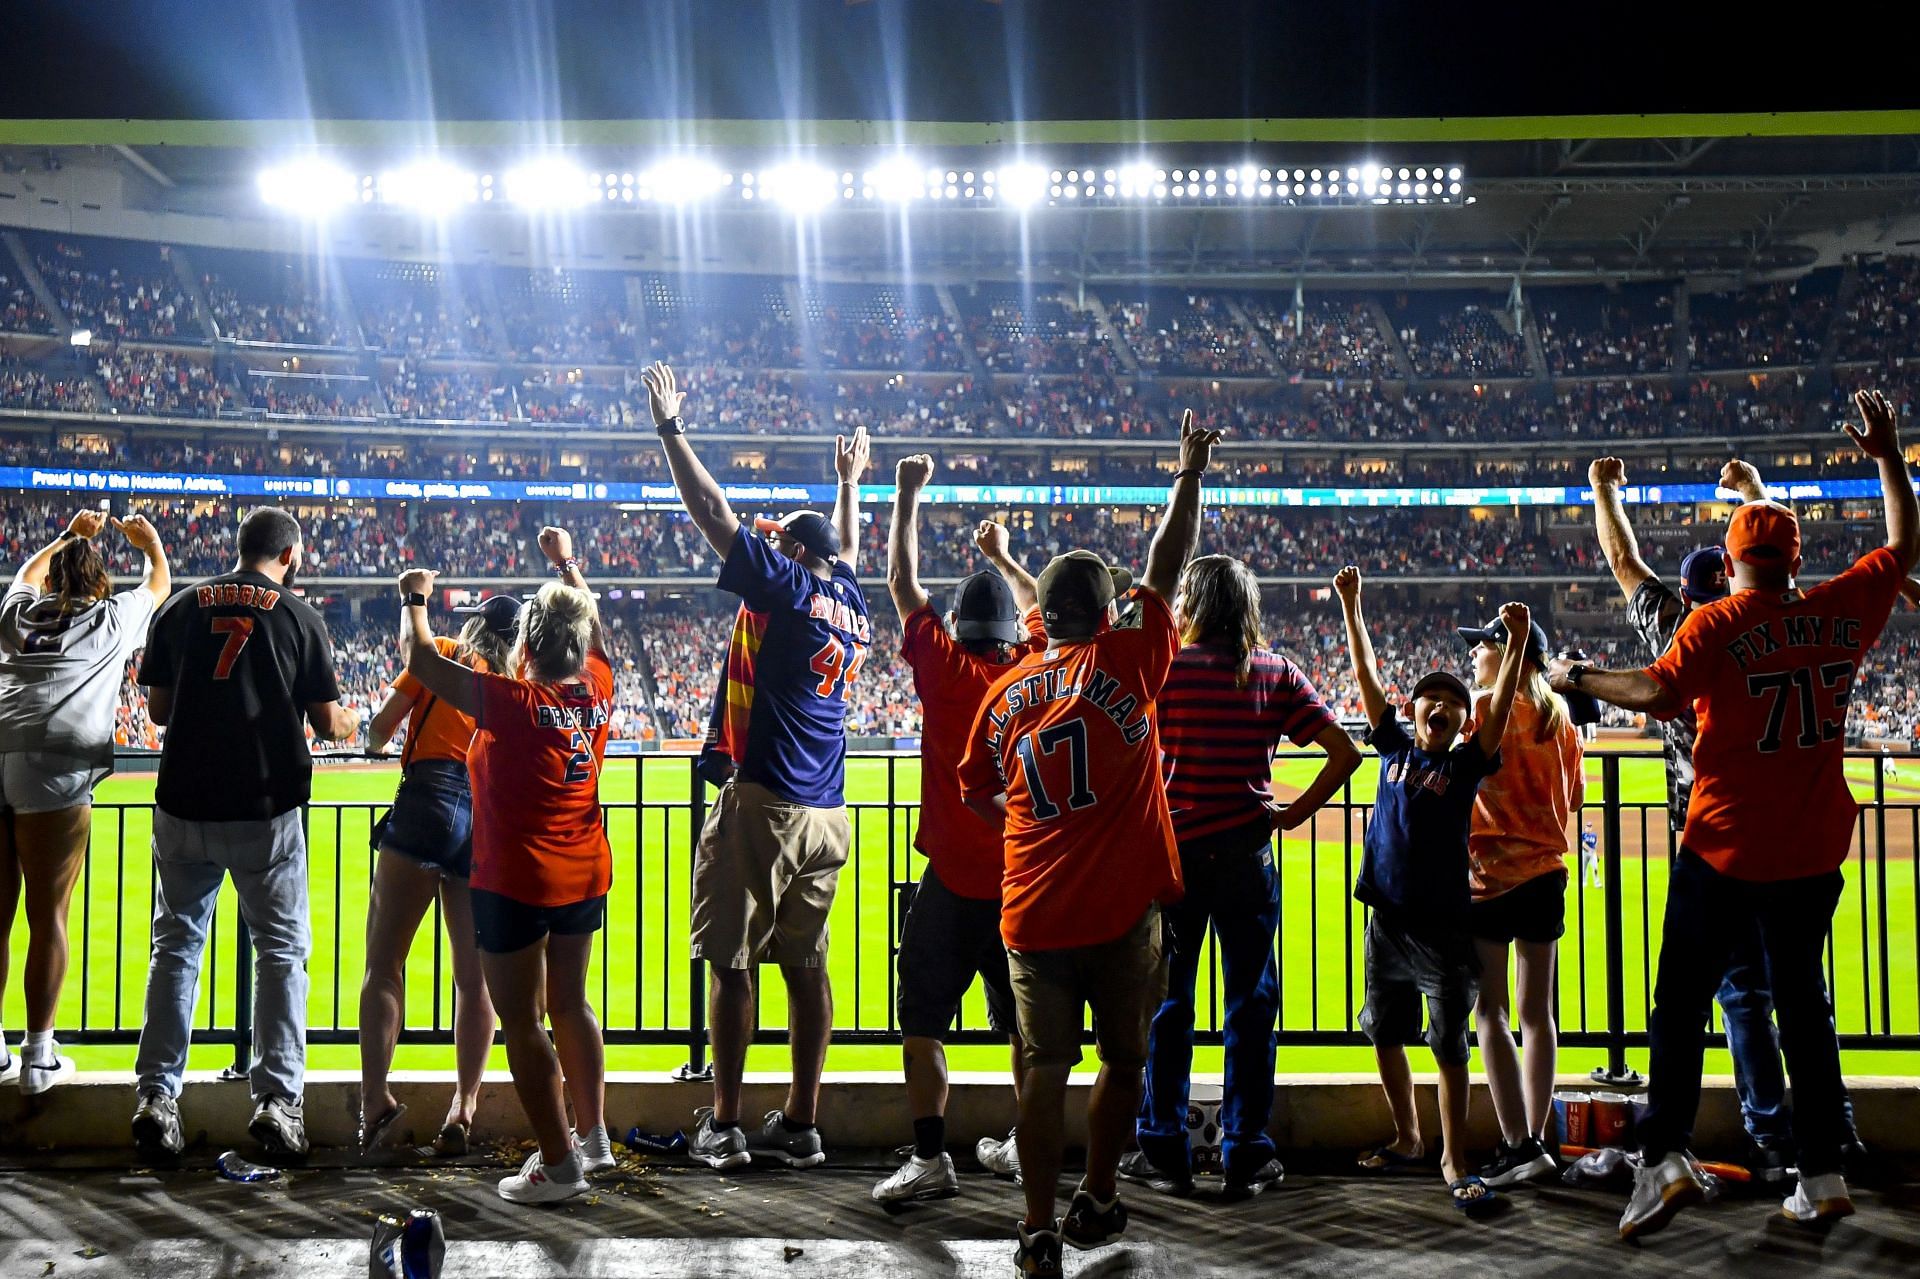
(1228,703)
(541,864)
(1522,819)
(65,637)
(425,850)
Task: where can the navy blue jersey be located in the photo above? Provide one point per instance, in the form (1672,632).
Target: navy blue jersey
(1415,867)
(797,647)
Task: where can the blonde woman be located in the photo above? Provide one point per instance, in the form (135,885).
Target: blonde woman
(1517,857)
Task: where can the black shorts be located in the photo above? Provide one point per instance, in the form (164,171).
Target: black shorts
(945,940)
(504,925)
(431,821)
(1536,911)
(1401,967)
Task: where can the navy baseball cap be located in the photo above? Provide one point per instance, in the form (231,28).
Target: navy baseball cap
(1703,574)
(1495,632)
(501,613)
(984,609)
(1443,681)
(809,528)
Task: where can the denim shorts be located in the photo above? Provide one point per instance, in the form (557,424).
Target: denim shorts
(502,925)
(431,821)
(1536,911)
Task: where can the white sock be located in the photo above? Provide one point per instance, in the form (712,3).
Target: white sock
(5,1056)
(38,1047)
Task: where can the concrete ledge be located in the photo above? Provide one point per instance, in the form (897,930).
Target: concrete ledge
(1311,1112)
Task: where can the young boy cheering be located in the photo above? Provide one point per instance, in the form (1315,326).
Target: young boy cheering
(1414,877)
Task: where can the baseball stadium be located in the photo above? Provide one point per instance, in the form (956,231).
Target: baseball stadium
(953,637)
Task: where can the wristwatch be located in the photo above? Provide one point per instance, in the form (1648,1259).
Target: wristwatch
(414,599)
(675,425)
(1576,673)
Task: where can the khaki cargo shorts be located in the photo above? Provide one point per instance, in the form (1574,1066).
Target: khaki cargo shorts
(1122,980)
(764,879)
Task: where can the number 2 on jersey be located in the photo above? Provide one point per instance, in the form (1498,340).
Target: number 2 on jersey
(833,665)
(238,631)
(1072,734)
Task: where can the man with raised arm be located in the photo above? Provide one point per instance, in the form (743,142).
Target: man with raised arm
(952,929)
(775,840)
(1768,670)
(1656,610)
(1065,756)
(1414,875)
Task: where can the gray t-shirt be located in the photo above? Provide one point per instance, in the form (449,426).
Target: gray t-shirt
(1656,611)
(60,673)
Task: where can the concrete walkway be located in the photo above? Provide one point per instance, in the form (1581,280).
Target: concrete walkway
(662,1220)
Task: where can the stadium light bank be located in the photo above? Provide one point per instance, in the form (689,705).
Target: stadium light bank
(434,186)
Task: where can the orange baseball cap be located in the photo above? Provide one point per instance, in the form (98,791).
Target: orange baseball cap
(1764,533)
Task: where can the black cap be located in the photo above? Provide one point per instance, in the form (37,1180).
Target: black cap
(809,528)
(984,609)
(1076,588)
(1495,632)
(1446,681)
(502,614)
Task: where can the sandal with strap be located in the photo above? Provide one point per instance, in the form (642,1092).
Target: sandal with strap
(452,1140)
(374,1135)
(1472,1204)
(1385,1159)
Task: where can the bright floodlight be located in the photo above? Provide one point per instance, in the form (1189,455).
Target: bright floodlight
(549,184)
(1137,178)
(80,337)
(800,187)
(1023,184)
(429,186)
(897,181)
(681,180)
(312,187)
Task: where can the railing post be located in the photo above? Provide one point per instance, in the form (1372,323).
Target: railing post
(697,1067)
(1616,1071)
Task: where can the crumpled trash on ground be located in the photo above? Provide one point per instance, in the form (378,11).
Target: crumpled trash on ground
(1611,1169)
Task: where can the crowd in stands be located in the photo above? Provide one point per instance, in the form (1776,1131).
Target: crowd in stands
(1774,324)
(1611,337)
(1467,342)
(1883,319)
(29,386)
(1191,333)
(20,310)
(295,318)
(1329,338)
(160,384)
(118,304)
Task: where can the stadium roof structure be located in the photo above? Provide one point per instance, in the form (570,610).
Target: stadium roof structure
(1592,198)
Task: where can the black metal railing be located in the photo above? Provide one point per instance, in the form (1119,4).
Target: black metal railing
(652,993)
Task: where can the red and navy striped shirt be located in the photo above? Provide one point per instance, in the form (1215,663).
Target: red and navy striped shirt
(1218,740)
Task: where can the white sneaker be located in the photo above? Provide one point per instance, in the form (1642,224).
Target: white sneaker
(596,1149)
(37,1077)
(1659,1191)
(919,1179)
(10,1070)
(1819,1198)
(539,1183)
(1001,1158)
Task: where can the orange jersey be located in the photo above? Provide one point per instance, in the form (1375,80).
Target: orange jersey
(535,764)
(434,729)
(1070,735)
(1520,813)
(951,682)
(1769,675)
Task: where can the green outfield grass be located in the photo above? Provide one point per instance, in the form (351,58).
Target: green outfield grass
(641,977)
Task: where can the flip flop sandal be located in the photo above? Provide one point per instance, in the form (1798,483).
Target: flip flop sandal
(375,1135)
(1472,1205)
(452,1140)
(1385,1159)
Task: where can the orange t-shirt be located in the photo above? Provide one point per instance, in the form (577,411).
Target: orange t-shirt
(963,850)
(1769,675)
(1070,735)
(1520,813)
(535,761)
(436,730)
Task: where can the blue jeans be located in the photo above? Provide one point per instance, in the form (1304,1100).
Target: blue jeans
(1232,883)
(1709,918)
(268,862)
(1746,1010)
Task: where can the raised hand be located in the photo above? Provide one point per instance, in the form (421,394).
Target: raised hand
(851,452)
(1346,584)
(664,395)
(417,579)
(1879,435)
(1519,620)
(87,523)
(1607,472)
(556,544)
(140,534)
(910,474)
(1742,477)
(990,539)
(1196,444)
